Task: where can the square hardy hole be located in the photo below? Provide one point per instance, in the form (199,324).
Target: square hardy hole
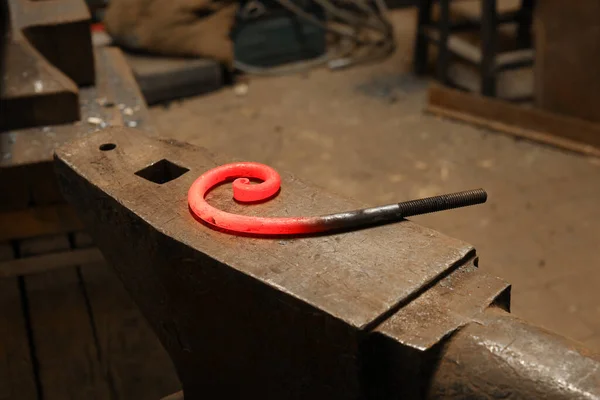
(162,171)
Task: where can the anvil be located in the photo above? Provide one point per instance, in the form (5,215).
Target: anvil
(393,312)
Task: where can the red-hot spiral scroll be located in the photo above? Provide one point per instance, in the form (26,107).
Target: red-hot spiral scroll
(243,191)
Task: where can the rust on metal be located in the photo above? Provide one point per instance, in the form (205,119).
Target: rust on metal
(382,313)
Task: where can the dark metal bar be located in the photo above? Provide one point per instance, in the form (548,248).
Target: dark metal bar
(396,212)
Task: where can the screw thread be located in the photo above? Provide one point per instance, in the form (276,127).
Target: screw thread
(443,202)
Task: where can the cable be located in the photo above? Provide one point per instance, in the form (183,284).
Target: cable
(356,28)
(344,15)
(314,20)
(283,70)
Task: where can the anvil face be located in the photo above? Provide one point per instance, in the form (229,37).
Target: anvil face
(228,308)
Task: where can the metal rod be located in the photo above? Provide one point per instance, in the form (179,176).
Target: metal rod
(396,212)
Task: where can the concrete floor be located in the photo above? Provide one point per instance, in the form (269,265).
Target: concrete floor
(362,133)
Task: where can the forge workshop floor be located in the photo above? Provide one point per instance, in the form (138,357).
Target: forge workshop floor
(74,333)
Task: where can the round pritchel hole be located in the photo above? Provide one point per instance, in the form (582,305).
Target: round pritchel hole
(107,146)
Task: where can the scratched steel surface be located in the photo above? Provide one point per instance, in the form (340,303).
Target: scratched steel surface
(450,304)
(357,277)
(500,357)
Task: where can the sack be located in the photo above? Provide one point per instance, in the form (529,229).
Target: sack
(197,28)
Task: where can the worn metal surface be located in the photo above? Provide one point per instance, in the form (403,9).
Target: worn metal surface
(47,54)
(450,304)
(408,256)
(289,311)
(385,313)
(500,357)
(494,356)
(402,352)
(26,172)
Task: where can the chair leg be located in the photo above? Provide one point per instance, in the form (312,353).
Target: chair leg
(444,33)
(525,21)
(421,49)
(489,26)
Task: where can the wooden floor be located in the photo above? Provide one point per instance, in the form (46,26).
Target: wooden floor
(75,334)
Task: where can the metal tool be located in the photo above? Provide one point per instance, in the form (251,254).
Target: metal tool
(398,312)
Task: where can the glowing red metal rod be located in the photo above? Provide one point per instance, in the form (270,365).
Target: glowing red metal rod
(243,191)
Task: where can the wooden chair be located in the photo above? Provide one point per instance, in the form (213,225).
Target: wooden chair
(488,58)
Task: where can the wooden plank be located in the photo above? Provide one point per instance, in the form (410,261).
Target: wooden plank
(167,78)
(49,262)
(43,245)
(459,46)
(14,194)
(124,87)
(82,239)
(568,55)
(174,396)
(17,378)
(534,124)
(43,185)
(131,354)
(64,338)
(38,221)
